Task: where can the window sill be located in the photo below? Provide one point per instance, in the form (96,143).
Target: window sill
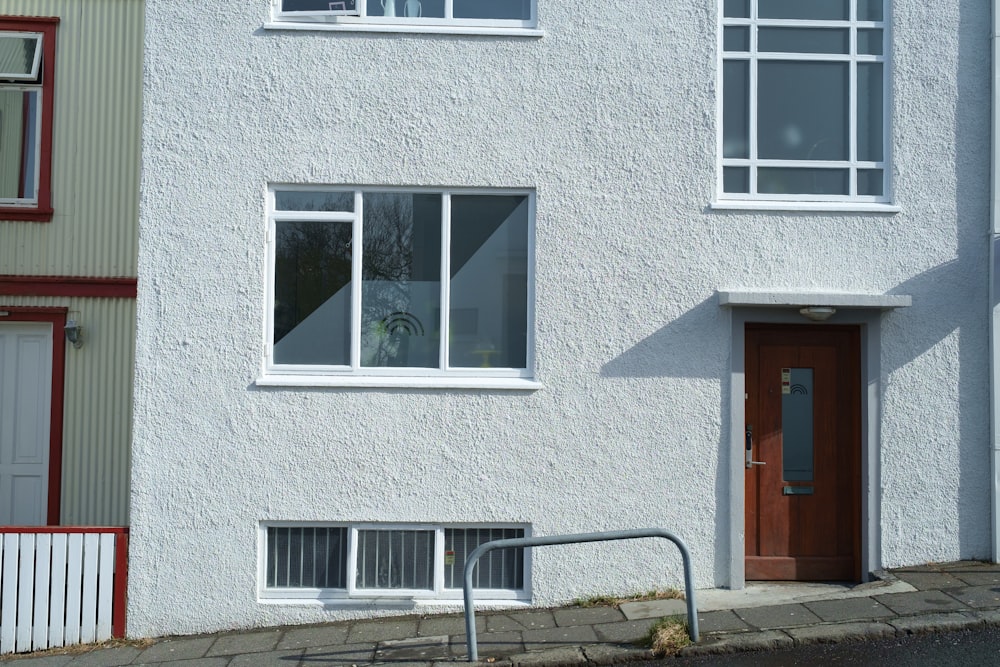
(436,605)
(803,206)
(26,214)
(399,382)
(403,28)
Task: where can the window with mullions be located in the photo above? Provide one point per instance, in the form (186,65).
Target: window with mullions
(373,560)
(27,67)
(803,100)
(363,282)
(498,13)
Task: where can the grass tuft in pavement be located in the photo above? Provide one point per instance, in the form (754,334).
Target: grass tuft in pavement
(668,636)
(616,601)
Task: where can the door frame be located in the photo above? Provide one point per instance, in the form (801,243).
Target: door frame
(57,318)
(868,321)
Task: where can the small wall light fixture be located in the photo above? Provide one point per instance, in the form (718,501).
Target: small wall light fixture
(74,333)
(817,313)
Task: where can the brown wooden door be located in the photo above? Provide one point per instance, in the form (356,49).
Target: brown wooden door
(803,489)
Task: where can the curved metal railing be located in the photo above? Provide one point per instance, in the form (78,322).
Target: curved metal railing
(518,542)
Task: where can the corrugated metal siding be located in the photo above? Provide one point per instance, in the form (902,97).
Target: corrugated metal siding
(97,415)
(95,161)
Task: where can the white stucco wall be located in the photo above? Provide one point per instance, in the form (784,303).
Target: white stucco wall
(611,119)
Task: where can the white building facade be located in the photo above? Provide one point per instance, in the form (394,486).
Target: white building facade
(417,275)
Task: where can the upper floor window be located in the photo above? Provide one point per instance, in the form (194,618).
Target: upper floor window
(410,14)
(803,101)
(27,73)
(364,282)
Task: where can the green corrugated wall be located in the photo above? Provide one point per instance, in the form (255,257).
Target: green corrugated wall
(95,195)
(95,159)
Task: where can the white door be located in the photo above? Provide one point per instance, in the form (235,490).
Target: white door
(25,399)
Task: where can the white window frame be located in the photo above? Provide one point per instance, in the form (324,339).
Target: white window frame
(355,374)
(353,592)
(849,202)
(358,20)
(33,74)
(36,147)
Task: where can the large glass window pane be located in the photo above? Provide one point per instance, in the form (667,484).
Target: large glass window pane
(870,139)
(19,113)
(395,559)
(797,425)
(313,200)
(20,56)
(817,10)
(803,40)
(489,281)
(401,280)
(802,110)
(312,293)
(736,109)
(791,180)
(492,9)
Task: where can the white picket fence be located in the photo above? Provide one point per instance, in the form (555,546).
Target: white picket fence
(61,586)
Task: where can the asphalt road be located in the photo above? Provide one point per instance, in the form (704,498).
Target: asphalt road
(980,648)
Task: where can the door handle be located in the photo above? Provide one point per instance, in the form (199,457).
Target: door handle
(749,444)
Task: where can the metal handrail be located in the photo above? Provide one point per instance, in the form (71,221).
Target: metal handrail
(473,559)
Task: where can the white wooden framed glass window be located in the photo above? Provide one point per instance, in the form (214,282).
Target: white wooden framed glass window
(409,15)
(392,561)
(804,99)
(362,281)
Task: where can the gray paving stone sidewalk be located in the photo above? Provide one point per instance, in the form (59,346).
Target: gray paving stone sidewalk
(928,598)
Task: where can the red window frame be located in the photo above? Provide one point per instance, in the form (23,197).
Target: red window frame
(42,210)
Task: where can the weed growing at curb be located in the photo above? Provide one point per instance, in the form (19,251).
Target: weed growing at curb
(617,601)
(79,649)
(667,636)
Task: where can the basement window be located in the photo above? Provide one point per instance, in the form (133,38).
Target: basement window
(409,561)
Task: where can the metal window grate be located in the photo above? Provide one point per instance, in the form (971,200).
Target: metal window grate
(396,559)
(306,557)
(498,569)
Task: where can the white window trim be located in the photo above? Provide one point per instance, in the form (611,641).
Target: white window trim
(32,201)
(24,83)
(360,22)
(354,595)
(399,382)
(356,375)
(791,202)
(804,206)
(36,63)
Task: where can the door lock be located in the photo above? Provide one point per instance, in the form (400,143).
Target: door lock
(749,444)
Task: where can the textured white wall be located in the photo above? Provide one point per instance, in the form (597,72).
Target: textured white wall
(611,118)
